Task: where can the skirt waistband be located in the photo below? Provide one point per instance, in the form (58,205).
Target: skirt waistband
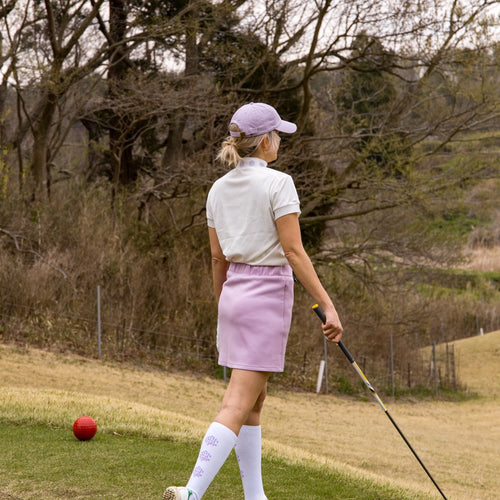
(240,268)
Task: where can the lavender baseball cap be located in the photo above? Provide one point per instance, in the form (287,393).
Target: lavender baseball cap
(258,118)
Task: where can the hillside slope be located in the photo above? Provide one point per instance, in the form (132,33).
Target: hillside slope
(478,360)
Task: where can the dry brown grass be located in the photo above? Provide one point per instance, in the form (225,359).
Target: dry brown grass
(458,442)
(478,362)
(483,259)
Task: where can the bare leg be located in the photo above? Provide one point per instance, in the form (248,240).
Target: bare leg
(241,408)
(243,400)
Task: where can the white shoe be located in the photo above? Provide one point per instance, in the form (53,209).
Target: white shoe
(179,493)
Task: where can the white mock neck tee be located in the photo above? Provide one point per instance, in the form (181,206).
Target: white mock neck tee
(242,207)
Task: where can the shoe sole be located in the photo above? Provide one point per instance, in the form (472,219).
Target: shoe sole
(171,494)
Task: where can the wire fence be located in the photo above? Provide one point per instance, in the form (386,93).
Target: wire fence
(101,337)
(321,371)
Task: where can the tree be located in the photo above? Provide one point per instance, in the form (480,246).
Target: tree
(367,110)
(53,34)
(6,58)
(382,92)
(358,151)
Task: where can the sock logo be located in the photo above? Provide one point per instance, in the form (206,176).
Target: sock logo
(211,441)
(198,471)
(205,456)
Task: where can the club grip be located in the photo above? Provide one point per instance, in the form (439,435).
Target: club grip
(317,309)
(321,315)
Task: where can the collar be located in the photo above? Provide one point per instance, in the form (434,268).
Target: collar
(252,161)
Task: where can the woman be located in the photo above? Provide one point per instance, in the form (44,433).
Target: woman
(252,215)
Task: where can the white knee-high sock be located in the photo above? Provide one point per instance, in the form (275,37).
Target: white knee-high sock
(215,448)
(248,450)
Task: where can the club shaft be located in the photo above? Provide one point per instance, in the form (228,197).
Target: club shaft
(415,453)
(317,309)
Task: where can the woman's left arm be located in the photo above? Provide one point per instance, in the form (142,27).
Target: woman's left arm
(219,263)
(291,241)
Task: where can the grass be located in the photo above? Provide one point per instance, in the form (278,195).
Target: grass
(475,142)
(478,359)
(39,461)
(136,452)
(58,466)
(339,448)
(484,259)
(442,283)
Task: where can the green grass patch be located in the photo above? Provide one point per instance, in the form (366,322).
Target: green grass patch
(436,283)
(456,224)
(427,393)
(42,462)
(467,142)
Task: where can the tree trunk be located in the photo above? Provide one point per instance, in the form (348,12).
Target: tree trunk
(120,137)
(41,154)
(174,152)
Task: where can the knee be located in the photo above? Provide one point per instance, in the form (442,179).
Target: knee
(239,413)
(259,404)
(234,413)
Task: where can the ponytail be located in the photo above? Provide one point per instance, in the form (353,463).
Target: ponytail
(233,149)
(228,153)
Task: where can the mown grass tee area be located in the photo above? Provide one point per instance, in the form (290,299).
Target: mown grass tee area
(56,466)
(315,447)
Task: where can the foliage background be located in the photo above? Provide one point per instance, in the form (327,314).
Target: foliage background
(111,117)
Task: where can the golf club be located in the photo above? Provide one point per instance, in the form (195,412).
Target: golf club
(317,309)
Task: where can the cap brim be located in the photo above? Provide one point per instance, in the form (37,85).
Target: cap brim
(287,127)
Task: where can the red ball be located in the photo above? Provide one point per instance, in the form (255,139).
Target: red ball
(84,428)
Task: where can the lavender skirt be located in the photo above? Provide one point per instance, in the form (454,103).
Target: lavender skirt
(255,313)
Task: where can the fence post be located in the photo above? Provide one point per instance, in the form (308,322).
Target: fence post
(447,366)
(321,370)
(436,386)
(453,367)
(325,348)
(392,367)
(99,321)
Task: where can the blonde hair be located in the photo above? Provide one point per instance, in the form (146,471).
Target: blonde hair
(233,149)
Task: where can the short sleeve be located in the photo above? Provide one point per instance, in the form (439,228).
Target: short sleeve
(210,210)
(284,197)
